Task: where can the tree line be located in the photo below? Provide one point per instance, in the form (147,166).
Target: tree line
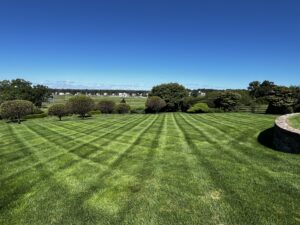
(19,98)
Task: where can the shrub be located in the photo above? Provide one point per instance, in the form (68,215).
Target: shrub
(58,110)
(122,108)
(15,109)
(188,102)
(155,104)
(199,108)
(123,100)
(81,105)
(106,106)
(228,101)
(94,112)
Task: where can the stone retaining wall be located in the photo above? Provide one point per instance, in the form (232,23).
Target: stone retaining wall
(286,138)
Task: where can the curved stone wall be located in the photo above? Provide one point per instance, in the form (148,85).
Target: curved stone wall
(286,138)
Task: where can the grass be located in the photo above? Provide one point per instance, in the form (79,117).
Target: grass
(169,168)
(294,121)
(134,102)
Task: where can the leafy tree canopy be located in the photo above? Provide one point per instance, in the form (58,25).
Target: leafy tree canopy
(172,93)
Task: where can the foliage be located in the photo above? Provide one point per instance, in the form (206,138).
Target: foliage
(199,108)
(123,108)
(189,101)
(172,93)
(263,89)
(138,110)
(228,101)
(58,110)
(210,98)
(20,89)
(282,101)
(106,106)
(123,100)
(155,104)
(80,104)
(15,109)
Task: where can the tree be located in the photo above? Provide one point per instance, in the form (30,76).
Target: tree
(155,104)
(123,100)
(80,104)
(282,101)
(15,109)
(172,93)
(228,101)
(20,89)
(106,106)
(40,93)
(199,108)
(123,108)
(58,110)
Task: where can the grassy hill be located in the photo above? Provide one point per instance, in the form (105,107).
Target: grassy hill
(171,168)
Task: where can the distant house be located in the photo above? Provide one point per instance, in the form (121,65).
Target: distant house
(61,93)
(124,94)
(105,94)
(200,93)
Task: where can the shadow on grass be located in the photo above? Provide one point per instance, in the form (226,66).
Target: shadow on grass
(266,138)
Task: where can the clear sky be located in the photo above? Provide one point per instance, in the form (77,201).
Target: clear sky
(137,44)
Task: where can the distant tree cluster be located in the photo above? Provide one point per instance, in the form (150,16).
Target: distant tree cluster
(20,89)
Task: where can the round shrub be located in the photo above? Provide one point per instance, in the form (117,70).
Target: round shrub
(15,109)
(106,106)
(58,110)
(199,108)
(80,104)
(122,108)
(155,104)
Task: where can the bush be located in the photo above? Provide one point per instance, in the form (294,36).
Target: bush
(80,104)
(155,104)
(58,110)
(228,101)
(199,108)
(15,109)
(35,116)
(106,106)
(188,102)
(122,108)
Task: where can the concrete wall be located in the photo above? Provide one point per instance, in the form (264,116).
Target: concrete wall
(286,138)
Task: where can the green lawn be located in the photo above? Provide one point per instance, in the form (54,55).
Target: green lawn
(164,169)
(294,121)
(134,102)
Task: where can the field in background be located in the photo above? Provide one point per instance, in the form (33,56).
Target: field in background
(134,102)
(171,168)
(294,121)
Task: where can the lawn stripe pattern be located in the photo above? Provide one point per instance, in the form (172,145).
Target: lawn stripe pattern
(169,168)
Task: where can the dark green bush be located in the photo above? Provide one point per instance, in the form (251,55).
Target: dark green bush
(199,108)
(122,108)
(140,110)
(155,104)
(106,106)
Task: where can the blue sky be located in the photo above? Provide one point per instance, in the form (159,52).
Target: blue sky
(137,44)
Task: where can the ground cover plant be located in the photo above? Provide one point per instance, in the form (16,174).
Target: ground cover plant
(168,168)
(294,121)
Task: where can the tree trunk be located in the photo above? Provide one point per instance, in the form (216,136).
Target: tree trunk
(59,118)
(19,119)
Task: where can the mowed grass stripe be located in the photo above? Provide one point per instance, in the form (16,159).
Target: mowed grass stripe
(57,144)
(170,168)
(259,190)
